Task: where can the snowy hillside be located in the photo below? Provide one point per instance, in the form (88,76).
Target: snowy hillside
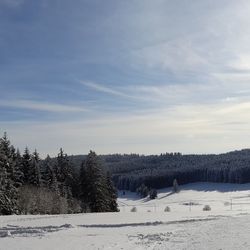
(186,226)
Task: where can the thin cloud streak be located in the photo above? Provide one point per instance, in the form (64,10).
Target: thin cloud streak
(175,94)
(188,129)
(101,88)
(40,106)
(124,92)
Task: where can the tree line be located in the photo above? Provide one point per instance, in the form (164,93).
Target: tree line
(130,171)
(29,185)
(160,171)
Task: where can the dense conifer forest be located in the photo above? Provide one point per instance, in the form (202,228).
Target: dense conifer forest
(158,171)
(29,185)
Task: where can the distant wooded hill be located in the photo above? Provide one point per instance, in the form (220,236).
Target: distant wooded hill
(129,171)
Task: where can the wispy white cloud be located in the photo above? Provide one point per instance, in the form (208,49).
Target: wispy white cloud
(41,106)
(217,43)
(223,89)
(103,88)
(177,56)
(186,128)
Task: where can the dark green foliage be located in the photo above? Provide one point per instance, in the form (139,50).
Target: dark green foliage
(159,171)
(129,171)
(8,191)
(4,199)
(62,167)
(65,178)
(64,174)
(49,179)
(47,171)
(29,185)
(8,204)
(83,183)
(7,156)
(34,174)
(26,162)
(175,186)
(18,176)
(96,190)
(153,194)
(143,190)
(112,194)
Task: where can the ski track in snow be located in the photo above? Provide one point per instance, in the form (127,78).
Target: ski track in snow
(13,230)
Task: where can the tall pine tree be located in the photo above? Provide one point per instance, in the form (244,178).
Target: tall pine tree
(94,187)
(65,178)
(48,175)
(34,174)
(8,191)
(18,175)
(112,194)
(26,163)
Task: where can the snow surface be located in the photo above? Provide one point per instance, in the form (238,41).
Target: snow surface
(226,226)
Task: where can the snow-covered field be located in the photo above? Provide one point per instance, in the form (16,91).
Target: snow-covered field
(226,226)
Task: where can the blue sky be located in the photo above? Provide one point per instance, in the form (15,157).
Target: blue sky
(125,76)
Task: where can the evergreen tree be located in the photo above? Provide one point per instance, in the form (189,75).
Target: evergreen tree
(83,182)
(5,145)
(112,194)
(175,186)
(96,191)
(34,174)
(7,152)
(26,162)
(63,167)
(65,178)
(3,183)
(8,192)
(18,175)
(49,176)
(143,190)
(64,174)
(153,194)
